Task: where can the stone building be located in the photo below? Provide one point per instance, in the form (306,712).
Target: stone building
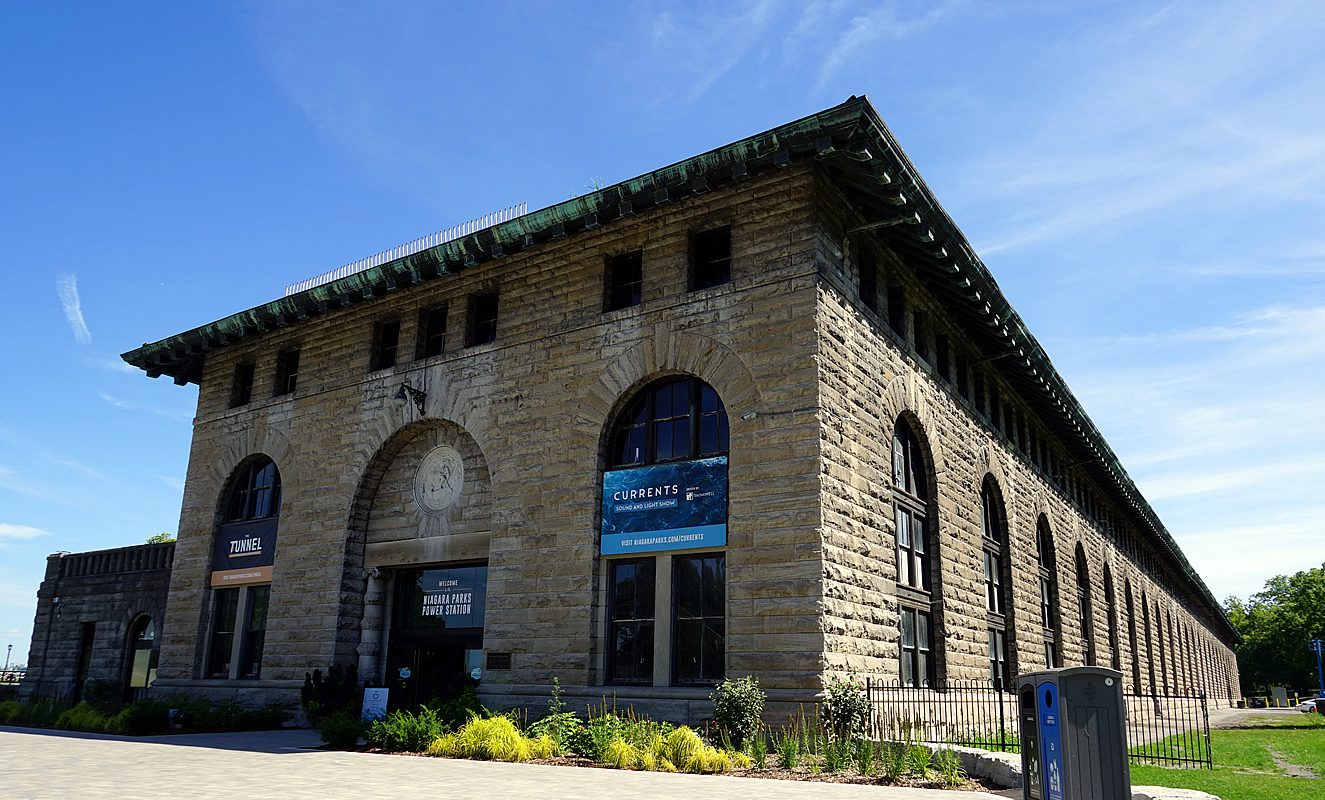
(763,411)
(99,617)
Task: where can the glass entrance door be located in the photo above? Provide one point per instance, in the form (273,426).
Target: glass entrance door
(436,643)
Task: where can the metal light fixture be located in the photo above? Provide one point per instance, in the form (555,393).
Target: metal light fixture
(417,395)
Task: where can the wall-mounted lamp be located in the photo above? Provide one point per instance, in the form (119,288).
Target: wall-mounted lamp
(417,395)
(55,602)
(749,415)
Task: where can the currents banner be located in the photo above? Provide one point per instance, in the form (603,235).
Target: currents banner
(673,506)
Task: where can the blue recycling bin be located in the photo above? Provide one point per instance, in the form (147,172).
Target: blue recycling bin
(1073,735)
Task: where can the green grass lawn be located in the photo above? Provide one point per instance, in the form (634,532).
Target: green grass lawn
(1244,769)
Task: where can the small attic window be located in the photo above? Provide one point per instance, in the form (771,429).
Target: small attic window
(711,258)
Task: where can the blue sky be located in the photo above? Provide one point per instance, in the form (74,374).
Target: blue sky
(1146,181)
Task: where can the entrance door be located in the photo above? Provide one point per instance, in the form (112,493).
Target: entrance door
(436,643)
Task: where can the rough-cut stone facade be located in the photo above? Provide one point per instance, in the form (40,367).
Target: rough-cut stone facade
(813,382)
(99,594)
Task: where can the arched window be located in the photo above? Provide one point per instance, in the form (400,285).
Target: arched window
(915,553)
(1111,617)
(998,602)
(671,420)
(1085,610)
(1131,636)
(1150,642)
(1163,651)
(256,493)
(243,553)
(142,657)
(671,430)
(1048,569)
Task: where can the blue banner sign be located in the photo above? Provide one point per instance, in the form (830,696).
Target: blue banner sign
(674,506)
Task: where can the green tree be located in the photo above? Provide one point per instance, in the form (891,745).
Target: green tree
(161,538)
(1277,625)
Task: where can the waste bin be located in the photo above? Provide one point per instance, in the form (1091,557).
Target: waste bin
(1073,734)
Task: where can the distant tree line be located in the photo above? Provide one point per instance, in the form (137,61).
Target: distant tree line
(1277,625)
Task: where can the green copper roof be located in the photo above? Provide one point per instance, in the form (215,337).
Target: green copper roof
(852,144)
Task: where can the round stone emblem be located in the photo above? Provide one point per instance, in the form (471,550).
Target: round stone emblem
(440,479)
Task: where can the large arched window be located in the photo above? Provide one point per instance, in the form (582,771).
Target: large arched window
(1131,636)
(1085,608)
(915,553)
(242,557)
(142,657)
(671,420)
(1150,641)
(1047,563)
(998,601)
(1111,617)
(672,430)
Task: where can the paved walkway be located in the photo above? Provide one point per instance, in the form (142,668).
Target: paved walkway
(285,764)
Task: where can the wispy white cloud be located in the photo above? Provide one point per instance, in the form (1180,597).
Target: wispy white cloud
(113,365)
(127,405)
(66,286)
(172,481)
(872,28)
(1208,104)
(9,530)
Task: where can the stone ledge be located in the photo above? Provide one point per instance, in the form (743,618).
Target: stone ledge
(1166,793)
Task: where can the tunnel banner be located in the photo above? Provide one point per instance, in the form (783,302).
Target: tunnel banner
(243,553)
(674,506)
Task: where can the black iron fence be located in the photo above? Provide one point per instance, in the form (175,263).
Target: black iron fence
(1163,729)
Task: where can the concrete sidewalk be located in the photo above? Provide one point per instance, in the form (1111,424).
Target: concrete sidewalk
(285,764)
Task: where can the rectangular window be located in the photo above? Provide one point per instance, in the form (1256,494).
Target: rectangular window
(432,332)
(897,309)
(630,623)
(241,391)
(287,372)
(917,663)
(386,341)
(869,280)
(225,607)
(941,356)
(912,560)
(998,657)
(699,618)
(624,278)
(711,258)
(255,632)
(482,318)
(921,343)
(963,376)
(993,582)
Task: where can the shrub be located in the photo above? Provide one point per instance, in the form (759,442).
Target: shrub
(848,709)
(40,714)
(140,718)
(403,731)
(457,711)
(949,767)
(82,717)
(864,755)
(104,695)
(558,723)
(8,710)
(228,715)
(492,739)
(788,746)
(737,708)
(918,760)
(323,696)
(894,761)
(341,730)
